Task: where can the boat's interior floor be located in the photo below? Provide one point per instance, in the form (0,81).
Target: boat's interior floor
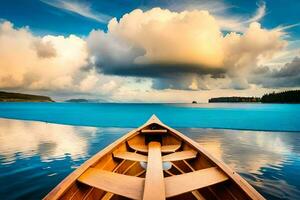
(154,164)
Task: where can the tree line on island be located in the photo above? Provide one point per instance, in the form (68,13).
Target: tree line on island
(292,96)
(20,97)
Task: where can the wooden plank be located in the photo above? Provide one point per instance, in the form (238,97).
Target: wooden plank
(140,173)
(139,147)
(107,196)
(164,149)
(154,131)
(170,148)
(154,181)
(181,155)
(196,193)
(128,186)
(183,183)
(130,156)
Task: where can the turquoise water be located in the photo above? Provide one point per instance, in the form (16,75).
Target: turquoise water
(268,117)
(35,156)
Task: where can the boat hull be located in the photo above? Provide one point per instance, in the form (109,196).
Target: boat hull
(154,161)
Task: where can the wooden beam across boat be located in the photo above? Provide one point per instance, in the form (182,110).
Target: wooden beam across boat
(187,182)
(164,148)
(130,156)
(127,186)
(158,131)
(182,155)
(165,164)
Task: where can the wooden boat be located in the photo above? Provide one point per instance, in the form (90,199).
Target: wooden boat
(155,162)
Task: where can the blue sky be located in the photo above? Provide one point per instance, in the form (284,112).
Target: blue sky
(43,18)
(149,50)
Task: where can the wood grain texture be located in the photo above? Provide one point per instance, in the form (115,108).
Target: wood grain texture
(94,185)
(235,177)
(154,182)
(164,149)
(128,186)
(130,156)
(181,155)
(183,183)
(154,131)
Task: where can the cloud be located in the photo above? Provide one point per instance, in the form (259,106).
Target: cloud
(154,55)
(229,22)
(221,10)
(37,63)
(81,9)
(45,49)
(180,50)
(283,77)
(260,13)
(53,64)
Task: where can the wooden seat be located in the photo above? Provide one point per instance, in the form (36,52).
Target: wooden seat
(130,156)
(181,155)
(164,148)
(127,186)
(179,184)
(138,147)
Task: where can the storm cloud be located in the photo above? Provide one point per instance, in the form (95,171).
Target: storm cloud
(285,76)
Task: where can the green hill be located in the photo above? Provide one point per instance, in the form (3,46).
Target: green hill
(19,97)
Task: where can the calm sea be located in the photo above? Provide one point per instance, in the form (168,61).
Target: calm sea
(35,156)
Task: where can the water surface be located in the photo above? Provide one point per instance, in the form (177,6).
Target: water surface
(268,117)
(36,156)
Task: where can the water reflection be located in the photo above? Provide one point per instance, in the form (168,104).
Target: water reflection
(268,160)
(49,141)
(39,155)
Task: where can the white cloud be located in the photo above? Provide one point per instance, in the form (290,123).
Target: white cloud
(81,9)
(260,13)
(180,49)
(49,63)
(169,51)
(226,20)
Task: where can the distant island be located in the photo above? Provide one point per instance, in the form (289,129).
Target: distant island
(19,97)
(282,97)
(77,101)
(292,96)
(234,99)
(80,100)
